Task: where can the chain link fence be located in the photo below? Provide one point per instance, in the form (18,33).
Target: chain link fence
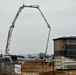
(33,68)
(7,68)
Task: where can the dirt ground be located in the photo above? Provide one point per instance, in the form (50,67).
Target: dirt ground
(51,73)
(36,68)
(43,69)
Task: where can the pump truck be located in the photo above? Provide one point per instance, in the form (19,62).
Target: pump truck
(13,25)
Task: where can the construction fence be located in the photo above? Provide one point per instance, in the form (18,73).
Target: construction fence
(8,68)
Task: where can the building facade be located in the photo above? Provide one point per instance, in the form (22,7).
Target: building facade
(65,46)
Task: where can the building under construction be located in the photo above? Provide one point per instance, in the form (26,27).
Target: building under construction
(65,46)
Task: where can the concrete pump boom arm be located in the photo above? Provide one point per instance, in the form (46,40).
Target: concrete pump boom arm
(13,25)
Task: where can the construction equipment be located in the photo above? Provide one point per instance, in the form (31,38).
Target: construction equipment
(13,25)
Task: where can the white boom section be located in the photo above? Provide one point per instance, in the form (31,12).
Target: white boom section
(13,25)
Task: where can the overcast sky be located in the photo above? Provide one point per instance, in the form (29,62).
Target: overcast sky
(30,32)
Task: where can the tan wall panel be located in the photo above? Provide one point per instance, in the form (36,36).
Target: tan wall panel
(58,45)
